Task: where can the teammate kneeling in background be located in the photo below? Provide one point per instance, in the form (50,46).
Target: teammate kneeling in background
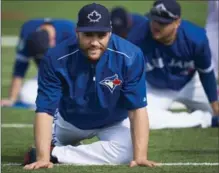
(179,68)
(36,37)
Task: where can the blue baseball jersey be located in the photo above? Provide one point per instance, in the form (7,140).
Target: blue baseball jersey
(64,29)
(137,20)
(173,66)
(92,95)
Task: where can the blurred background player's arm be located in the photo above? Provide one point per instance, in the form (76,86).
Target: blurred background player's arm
(15,87)
(20,67)
(204,66)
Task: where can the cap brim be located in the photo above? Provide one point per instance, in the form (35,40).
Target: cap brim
(94,29)
(160,19)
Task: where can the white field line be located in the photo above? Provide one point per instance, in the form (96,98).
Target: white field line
(162,164)
(9,41)
(16,125)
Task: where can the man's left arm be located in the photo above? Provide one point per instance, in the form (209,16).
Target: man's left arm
(140,137)
(204,66)
(134,99)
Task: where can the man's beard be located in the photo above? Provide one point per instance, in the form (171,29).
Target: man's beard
(86,49)
(169,38)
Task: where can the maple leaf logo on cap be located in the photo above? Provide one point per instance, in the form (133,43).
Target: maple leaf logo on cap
(94,16)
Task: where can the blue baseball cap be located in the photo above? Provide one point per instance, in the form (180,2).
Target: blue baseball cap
(165,11)
(94,18)
(120,20)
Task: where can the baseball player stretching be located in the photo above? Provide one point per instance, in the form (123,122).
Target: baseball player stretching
(36,37)
(179,68)
(96,81)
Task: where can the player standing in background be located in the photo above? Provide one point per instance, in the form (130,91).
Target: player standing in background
(179,67)
(36,37)
(124,24)
(96,81)
(212,32)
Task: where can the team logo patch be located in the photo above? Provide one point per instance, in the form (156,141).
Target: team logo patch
(111,82)
(94,16)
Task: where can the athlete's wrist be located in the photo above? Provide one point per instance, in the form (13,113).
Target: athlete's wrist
(140,158)
(141,154)
(43,158)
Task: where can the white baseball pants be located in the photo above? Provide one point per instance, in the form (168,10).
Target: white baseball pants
(192,95)
(28,92)
(114,145)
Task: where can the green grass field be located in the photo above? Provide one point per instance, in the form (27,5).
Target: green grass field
(166,146)
(14,13)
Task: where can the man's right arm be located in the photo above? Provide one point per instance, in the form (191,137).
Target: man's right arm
(49,94)
(42,135)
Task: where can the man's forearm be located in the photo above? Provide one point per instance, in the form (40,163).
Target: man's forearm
(15,88)
(140,132)
(43,135)
(209,84)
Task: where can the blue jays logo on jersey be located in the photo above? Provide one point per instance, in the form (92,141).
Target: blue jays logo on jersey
(111,82)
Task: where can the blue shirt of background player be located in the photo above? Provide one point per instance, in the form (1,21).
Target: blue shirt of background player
(64,29)
(92,95)
(124,24)
(174,65)
(136,20)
